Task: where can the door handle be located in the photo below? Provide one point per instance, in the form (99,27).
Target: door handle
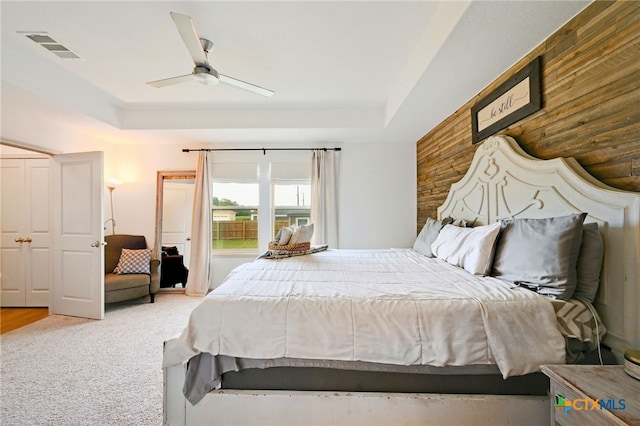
(96,243)
(19,240)
(188,238)
(27,240)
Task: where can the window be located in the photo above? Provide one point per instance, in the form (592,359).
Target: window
(291,205)
(235,215)
(252,201)
(291,183)
(235,204)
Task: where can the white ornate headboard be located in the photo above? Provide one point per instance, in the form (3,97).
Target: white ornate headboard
(505,182)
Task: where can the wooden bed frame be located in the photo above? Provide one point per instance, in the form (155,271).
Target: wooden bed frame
(502,182)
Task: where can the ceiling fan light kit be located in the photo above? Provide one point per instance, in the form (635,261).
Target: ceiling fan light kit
(206,76)
(202,72)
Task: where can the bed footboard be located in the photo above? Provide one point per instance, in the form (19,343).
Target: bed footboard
(174,402)
(248,407)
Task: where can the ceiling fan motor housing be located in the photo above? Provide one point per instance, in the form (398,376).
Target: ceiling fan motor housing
(205,75)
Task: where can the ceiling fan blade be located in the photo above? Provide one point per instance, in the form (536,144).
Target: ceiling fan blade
(171,81)
(246,86)
(190,37)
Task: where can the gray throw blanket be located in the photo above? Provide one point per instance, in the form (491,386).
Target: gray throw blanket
(281,254)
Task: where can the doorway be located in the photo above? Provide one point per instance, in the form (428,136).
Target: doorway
(55,216)
(174,205)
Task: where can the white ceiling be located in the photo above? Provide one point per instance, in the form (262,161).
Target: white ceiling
(342,71)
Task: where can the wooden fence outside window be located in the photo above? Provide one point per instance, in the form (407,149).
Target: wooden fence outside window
(241,229)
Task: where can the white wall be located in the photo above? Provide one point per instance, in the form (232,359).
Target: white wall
(378,204)
(137,165)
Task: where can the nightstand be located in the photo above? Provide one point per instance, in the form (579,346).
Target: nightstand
(593,395)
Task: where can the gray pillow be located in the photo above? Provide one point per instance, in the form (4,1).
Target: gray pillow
(428,235)
(540,254)
(589,262)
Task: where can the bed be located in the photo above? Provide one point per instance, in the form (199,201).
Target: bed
(384,336)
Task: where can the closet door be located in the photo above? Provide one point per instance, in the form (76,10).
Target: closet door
(12,283)
(37,268)
(24,218)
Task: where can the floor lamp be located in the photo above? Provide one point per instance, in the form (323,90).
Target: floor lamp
(111,185)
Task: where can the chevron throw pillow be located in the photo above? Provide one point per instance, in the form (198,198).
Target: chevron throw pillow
(134,262)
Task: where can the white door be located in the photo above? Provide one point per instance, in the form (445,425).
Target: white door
(177,205)
(37,244)
(12,286)
(25,238)
(77,189)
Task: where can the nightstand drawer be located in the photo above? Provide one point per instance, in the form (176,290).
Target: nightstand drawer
(581,414)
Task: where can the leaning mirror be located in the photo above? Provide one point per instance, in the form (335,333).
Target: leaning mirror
(174,204)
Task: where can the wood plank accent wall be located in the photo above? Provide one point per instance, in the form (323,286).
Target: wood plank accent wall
(591,107)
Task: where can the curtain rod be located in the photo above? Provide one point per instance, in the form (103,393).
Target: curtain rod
(264,150)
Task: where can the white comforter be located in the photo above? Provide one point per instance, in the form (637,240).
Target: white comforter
(387,306)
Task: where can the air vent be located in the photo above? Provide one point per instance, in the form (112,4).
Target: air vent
(46,41)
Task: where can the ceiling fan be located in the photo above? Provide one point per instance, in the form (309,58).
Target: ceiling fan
(203,72)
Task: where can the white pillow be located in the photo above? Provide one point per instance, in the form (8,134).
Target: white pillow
(470,248)
(302,234)
(285,235)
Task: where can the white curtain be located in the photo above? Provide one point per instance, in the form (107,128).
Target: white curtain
(200,263)
(324,197)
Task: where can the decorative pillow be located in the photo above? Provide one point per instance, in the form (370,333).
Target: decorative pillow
(428,235)
(284,235)
(302,234)
(540,254)
(589,262)
(278,235)
(470,248)
(134,262)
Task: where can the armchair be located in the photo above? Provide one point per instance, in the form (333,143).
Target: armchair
(119,287)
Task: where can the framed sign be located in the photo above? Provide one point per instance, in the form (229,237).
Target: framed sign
(516,98)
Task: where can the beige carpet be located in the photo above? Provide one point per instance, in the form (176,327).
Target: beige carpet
(72,371)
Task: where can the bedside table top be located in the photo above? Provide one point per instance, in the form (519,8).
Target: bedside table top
(607,382)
